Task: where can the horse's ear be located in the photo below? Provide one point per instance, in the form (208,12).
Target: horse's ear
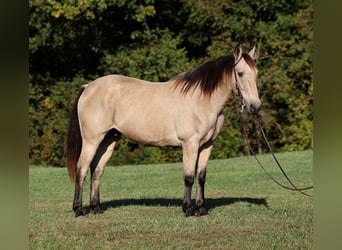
(254,53)
(237,53)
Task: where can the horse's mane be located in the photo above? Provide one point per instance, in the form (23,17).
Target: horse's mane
(209,75)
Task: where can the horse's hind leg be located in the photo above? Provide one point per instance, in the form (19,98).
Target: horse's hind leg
(102,156)
(86,156)
(201,174)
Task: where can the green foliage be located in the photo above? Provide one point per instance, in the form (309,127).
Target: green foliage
(49,112)
(157,60)
(74,42)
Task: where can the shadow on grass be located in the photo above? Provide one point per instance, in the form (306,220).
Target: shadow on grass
(211,203)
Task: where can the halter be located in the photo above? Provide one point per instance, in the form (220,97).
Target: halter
(259,122)
(238,88)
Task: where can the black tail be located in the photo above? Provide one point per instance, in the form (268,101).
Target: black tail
(73,145)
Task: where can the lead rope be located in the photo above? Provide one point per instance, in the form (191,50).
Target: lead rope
(259,124)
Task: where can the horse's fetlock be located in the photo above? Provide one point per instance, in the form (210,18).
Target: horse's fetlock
(199,202)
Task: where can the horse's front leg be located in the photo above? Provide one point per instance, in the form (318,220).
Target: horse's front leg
(190,153)
(201,175)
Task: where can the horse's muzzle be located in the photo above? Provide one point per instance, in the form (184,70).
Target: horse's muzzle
(254,107)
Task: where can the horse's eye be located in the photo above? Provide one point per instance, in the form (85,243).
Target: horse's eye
(240,74)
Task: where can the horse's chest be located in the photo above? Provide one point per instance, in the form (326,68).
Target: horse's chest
(212,129)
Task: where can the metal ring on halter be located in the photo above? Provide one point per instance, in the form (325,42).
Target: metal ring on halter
(243,106)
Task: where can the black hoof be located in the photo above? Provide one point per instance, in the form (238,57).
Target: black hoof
(79,212)
(201,211)
(188,213)
(96,210)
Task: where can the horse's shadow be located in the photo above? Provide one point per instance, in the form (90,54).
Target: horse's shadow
(211,203)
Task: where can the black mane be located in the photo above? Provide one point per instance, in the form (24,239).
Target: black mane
(209,75)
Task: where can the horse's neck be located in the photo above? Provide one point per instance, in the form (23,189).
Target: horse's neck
(213,103)
(220,96)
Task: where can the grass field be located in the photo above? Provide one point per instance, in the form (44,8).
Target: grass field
(143,208)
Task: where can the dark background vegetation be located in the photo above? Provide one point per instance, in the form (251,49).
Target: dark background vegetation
(74,42)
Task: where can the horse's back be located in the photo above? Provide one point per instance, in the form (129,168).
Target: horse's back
(141,110)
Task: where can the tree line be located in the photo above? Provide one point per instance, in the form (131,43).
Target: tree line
(72,42)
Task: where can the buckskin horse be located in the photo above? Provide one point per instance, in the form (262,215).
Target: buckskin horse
(185,111)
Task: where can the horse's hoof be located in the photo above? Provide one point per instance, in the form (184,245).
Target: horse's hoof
(79,213)
(202,211)
(188,212)
(96,210)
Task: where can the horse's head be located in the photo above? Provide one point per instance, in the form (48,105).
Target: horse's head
(245,75)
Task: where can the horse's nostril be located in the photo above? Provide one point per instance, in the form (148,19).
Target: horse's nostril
(255,109)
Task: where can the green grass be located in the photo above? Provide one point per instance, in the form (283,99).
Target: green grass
(143,208)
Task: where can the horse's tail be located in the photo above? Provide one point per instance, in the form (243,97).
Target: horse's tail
(73,143)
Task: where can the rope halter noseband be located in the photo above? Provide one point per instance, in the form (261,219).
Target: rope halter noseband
(238,87)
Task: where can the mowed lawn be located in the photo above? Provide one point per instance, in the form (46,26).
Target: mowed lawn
(143,208)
